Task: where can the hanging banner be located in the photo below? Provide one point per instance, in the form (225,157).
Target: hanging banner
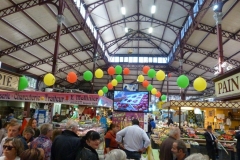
(8,81)
(105,102)
(51,97)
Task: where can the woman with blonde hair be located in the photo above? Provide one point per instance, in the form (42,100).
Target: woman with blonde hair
(12,149)
(116,154)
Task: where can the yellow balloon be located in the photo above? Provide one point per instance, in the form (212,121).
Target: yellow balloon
(98,73)
(49,79)
(154,91)
(160,75)
(100,93)
(140,78)
(114,82)
(200,84)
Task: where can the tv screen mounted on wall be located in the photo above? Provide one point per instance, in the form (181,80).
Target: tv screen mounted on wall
(131,101)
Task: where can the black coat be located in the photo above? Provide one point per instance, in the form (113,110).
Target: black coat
(210,144)
(237,136)
(65,146)
(87,153)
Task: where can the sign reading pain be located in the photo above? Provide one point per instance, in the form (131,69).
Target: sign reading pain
(8,81)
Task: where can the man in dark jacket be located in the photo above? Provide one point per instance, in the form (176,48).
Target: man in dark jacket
(166,146)
(237,136)
(66,145)
(211,143)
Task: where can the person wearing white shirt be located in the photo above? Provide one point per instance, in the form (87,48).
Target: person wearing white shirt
(135,140)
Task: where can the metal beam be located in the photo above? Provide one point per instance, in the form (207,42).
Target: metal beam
(191,28)
(213,30)
(50,59)
(75,12)
(39,40)
(210,54)
(142,18)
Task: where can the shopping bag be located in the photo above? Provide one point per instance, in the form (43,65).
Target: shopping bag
(144,157)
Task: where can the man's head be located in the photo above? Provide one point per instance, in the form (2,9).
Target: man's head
(46,130)
(135,122)
(209,129)
(13,129)
(179,149)
(175,132)
(72,125)
(56,113)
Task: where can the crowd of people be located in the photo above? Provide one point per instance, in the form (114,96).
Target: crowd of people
(30,143)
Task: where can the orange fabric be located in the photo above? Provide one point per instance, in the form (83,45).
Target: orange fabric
(113,143)
(24,124)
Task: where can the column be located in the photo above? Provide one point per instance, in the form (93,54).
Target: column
(218,18)
(60,19)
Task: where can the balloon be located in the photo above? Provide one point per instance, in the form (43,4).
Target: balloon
(114,82)
(105,89)
(145,83)
(200,84)
(118,69)
(119,78)
(154,91)
(169,75)
(110,86)
(149,87)
(140,78)
(49,79)
(158,94)
(126,71)
(72,77)
(23,83)
(145,69)
(87,75)
(99,73)
(100,93)
(163,97)
(151,73)
(111,71)
(182,81)
(160,75)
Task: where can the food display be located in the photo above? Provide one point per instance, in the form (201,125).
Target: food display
(131,101)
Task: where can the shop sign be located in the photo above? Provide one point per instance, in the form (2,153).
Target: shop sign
(51,97)
(8,81)
(228,86)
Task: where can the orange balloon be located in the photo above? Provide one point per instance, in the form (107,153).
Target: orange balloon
(111,71)
(72,77)
(110,86)
(145,83)
(145,69)
(169,75)
(126,71)
(158,94)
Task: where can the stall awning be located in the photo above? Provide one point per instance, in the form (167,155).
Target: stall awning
(199,104)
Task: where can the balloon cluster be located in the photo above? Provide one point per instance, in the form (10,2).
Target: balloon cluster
(118,70)
(160,76)
(199,83)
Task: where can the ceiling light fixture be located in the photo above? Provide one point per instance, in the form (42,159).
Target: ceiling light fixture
(123,10)
(153,9)
(150,30)
(126,29)
(215,7)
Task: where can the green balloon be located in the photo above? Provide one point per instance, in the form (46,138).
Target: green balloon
(182,81)
(163,97)
(151,73)
(87,75)
(23,83)
(149,87)
(105,89)
(119,78)
(118,69)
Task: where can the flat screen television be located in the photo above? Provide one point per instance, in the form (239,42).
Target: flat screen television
(131,101)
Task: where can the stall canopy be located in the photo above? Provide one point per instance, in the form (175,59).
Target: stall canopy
(200,104)
(55,97)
